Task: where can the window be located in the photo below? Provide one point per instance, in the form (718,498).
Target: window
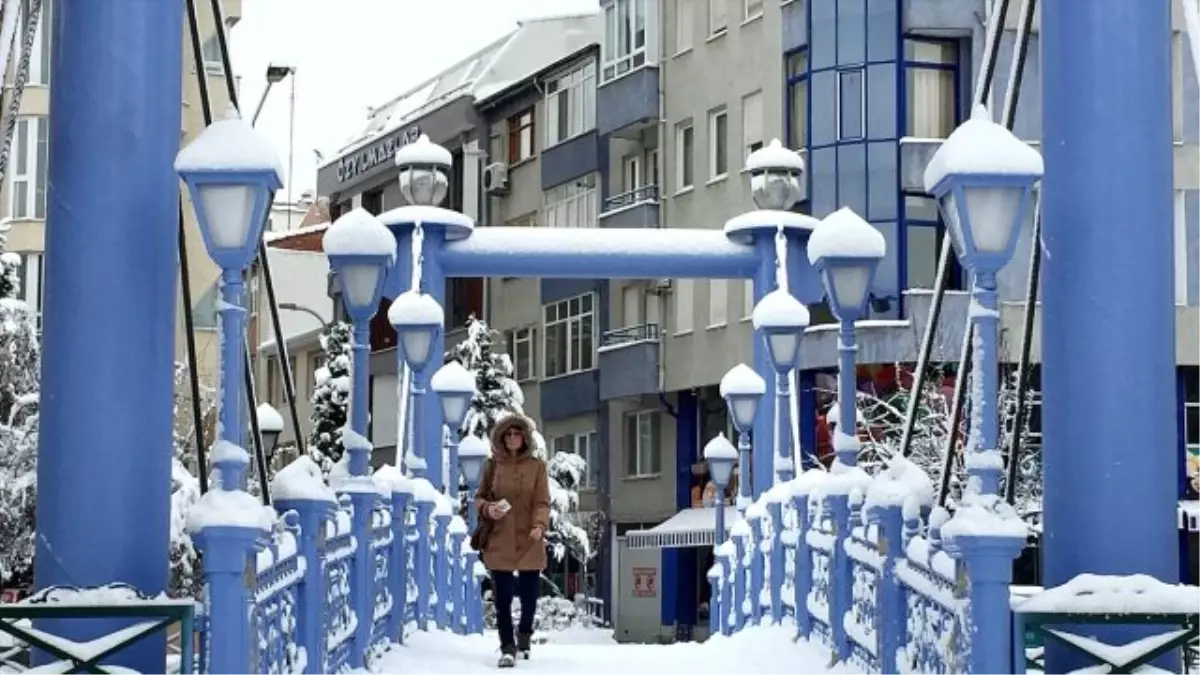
(570,336)
(718,19)
(851,113)
(1191,424)
(210,51)
(718,302)
(31,275)
(570,104)
(316,361)
(747,299)
(718,144)
(273,386)
(631,172)
(572,204)
(39,63)
(27,185)
(684,303)
(754,9)
(520,137)
(643,453)
(930,81)
(797,101)
(752,122)
(624,37)
(520,350)
(685,143)
(685,25)
(586,445)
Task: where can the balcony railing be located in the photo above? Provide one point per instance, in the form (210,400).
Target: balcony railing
(639,333)
(646,193)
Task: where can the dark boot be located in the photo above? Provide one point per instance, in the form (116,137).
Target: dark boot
(524,641)
(508,656)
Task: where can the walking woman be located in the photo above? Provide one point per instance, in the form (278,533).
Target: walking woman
(514,507)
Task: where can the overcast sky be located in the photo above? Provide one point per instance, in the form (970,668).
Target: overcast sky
(362,53)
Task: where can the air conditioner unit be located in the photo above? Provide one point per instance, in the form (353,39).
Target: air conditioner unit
(660,286)
(495,178)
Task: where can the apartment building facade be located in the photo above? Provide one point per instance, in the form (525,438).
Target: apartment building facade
(23,192)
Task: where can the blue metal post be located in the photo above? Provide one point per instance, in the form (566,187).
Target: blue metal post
(422,563)
(452,447)
(454,602)
(841,578)
(986,316)
(1109,165)
(360,397)
(398,566)
(727,590)
(785,468)
(847,393)
(433,283)
(892,623)
(472,512)
(362,574)
(441,559)
(740,536)
(228,560)
(757,566)
(310,608)
(719,533)
(112,197)
(473,598)
(762,475)
(802,575)
(233,330)
(778,558)
(989,567)
(746,459)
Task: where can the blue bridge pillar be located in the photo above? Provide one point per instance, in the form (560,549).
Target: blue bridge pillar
(104,455)
(1109,344)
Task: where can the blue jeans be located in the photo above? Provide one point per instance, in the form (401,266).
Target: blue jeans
(525,585)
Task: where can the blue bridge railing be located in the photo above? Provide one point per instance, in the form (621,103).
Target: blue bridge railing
(312,607)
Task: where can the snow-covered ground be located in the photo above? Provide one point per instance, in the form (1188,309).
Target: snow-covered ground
(766,649)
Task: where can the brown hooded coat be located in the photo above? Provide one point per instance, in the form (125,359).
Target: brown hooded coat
(520,478)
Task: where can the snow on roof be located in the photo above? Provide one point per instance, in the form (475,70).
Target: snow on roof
(270,237)
(229,144)
(844,234)
(520,54)
(689,527)
(981,146)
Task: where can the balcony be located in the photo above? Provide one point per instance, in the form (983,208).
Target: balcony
(634,208)
(629,361)
(940,18)
(626,104)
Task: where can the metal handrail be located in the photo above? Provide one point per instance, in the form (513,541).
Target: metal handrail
(637,333)
(645,193)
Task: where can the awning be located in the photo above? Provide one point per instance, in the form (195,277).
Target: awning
(1189,513)
(689,527)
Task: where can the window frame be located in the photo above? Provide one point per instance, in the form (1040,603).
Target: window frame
(716,118)
(521,127)
(685,156)
(39,63)
(527,337)
(749,14)
(618,60)
(684,288)
(214,64)
(644,462)
(916,64)
(718,307)
(839,85)
(581,194)
(572,333)
(577,87)
(797,80)
(685,26)
(750,145)
(28,172)
(718,18)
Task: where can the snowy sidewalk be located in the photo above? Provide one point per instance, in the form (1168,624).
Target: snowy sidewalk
(755,650)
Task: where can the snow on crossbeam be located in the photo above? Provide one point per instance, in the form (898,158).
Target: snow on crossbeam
(1114,594)
(588,253)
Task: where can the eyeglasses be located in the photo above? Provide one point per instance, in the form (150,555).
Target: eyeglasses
(514,432)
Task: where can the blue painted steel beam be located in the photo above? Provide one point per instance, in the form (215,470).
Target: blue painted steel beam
(104,462)
(587,253)
(1109,348)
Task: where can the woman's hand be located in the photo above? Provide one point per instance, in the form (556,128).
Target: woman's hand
(494,511)
(536,533)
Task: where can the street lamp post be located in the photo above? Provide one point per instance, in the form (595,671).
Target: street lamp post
(781,319)
(472,453)
(455,386)
(418,320)
(361,250)
(742,389)
(232,175)
(983,178)
(270,426)
(846,251)
(721,456)
(985,197)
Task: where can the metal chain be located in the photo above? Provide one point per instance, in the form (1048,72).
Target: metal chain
(14,105)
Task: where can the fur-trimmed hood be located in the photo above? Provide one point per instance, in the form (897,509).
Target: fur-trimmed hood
(509,421)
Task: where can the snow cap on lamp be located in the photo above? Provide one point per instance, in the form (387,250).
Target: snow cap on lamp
(782,319)
(846,251)
(424,166)
(742,388)
(416,317)
(232,174)
(360,251)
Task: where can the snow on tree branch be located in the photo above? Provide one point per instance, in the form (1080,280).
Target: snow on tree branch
(331,397)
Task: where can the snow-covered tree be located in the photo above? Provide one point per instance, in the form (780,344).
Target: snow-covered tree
(498,395)
(881,427)
(20,356)
(185,580)
(331,397)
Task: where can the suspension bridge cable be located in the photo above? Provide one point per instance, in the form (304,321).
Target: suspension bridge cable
(289,382)
(185,283)
(1008,118)
(983,87)
(1015,76)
